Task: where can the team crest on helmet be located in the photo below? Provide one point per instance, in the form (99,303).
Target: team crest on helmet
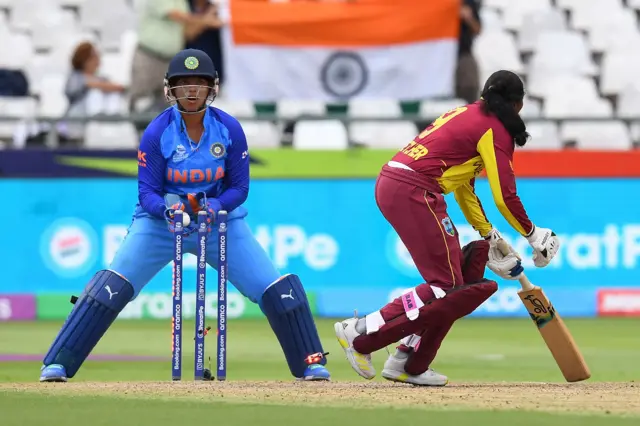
(191,63)
(217,150)
(448,226)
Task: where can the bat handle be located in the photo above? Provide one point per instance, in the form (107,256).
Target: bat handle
(525,283)
(505,250)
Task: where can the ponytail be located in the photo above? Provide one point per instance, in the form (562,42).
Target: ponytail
(502,90)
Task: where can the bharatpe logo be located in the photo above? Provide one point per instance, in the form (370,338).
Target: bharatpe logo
(202,264)
(200,348)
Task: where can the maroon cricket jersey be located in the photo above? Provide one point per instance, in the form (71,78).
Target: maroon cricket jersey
(448,155)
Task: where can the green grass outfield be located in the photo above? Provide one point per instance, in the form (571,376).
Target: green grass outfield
(500,371)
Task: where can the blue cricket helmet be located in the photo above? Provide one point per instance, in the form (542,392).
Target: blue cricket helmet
(191,63)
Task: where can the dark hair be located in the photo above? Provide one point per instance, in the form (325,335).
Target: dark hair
(81,55)
(501,91)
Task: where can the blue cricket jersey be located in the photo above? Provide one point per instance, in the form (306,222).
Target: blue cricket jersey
(170,162)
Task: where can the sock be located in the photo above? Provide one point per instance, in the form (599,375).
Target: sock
(401,354)
(361,326)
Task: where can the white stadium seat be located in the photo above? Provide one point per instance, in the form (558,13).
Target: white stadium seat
(320,134)
(95,14)
(53,102)
(110,135)
(629,102)
(374,108)
(592,13)
(392,134)
(617,37)
(29,14)
(496,4)
(15,50)
(72,3)
(4,21)
(114,28)
(516,11)
(537,22)
(292,108)
(531,108)
(114,67)
(52,27)
(560,106)
(619,69)
(491,18)
(23,108)
(544,136)
(562,51)
(607,135)
(432,109)
(496,50)
(235,108)
(261,134)
(634,130)
(573,97)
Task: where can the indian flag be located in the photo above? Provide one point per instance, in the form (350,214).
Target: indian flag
(402,49)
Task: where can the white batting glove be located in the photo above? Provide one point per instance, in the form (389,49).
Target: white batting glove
(507,267)
(545,246)
(494,236)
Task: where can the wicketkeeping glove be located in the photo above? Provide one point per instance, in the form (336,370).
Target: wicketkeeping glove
(200,202)
(173,203)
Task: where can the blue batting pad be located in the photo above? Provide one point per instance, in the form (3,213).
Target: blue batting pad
(286,306)
(95,310)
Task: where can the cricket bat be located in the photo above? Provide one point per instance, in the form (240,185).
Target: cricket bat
(552,328)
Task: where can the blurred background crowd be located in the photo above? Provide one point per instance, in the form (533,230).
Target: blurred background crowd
(65,59)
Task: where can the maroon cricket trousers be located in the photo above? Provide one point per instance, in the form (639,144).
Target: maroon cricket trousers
(419,217)
(418,213)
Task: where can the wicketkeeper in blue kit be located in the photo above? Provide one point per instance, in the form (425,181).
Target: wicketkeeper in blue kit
(192,157)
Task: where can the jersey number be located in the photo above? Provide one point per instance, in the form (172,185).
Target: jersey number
(441,121)
(416,150)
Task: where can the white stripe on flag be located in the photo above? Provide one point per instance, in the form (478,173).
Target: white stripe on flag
(405,72)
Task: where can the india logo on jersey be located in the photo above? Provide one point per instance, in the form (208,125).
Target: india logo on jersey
(217,150)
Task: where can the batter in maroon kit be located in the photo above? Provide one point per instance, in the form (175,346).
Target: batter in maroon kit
(446,157)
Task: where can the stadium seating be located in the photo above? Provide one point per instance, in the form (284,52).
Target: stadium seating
(579,59)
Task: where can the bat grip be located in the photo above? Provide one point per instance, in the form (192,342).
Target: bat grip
(525,283)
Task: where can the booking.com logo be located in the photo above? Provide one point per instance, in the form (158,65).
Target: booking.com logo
(69,247)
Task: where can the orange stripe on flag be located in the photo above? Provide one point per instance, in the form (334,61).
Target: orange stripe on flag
(334,24)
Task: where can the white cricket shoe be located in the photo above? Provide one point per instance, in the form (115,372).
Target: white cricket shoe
(394,370)
(346,333)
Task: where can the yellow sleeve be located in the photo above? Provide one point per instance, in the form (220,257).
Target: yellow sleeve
(497,155)
(471,207)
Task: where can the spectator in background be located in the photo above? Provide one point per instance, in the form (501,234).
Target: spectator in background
(88,93)
(467,74)
(164,26)
(203,38)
